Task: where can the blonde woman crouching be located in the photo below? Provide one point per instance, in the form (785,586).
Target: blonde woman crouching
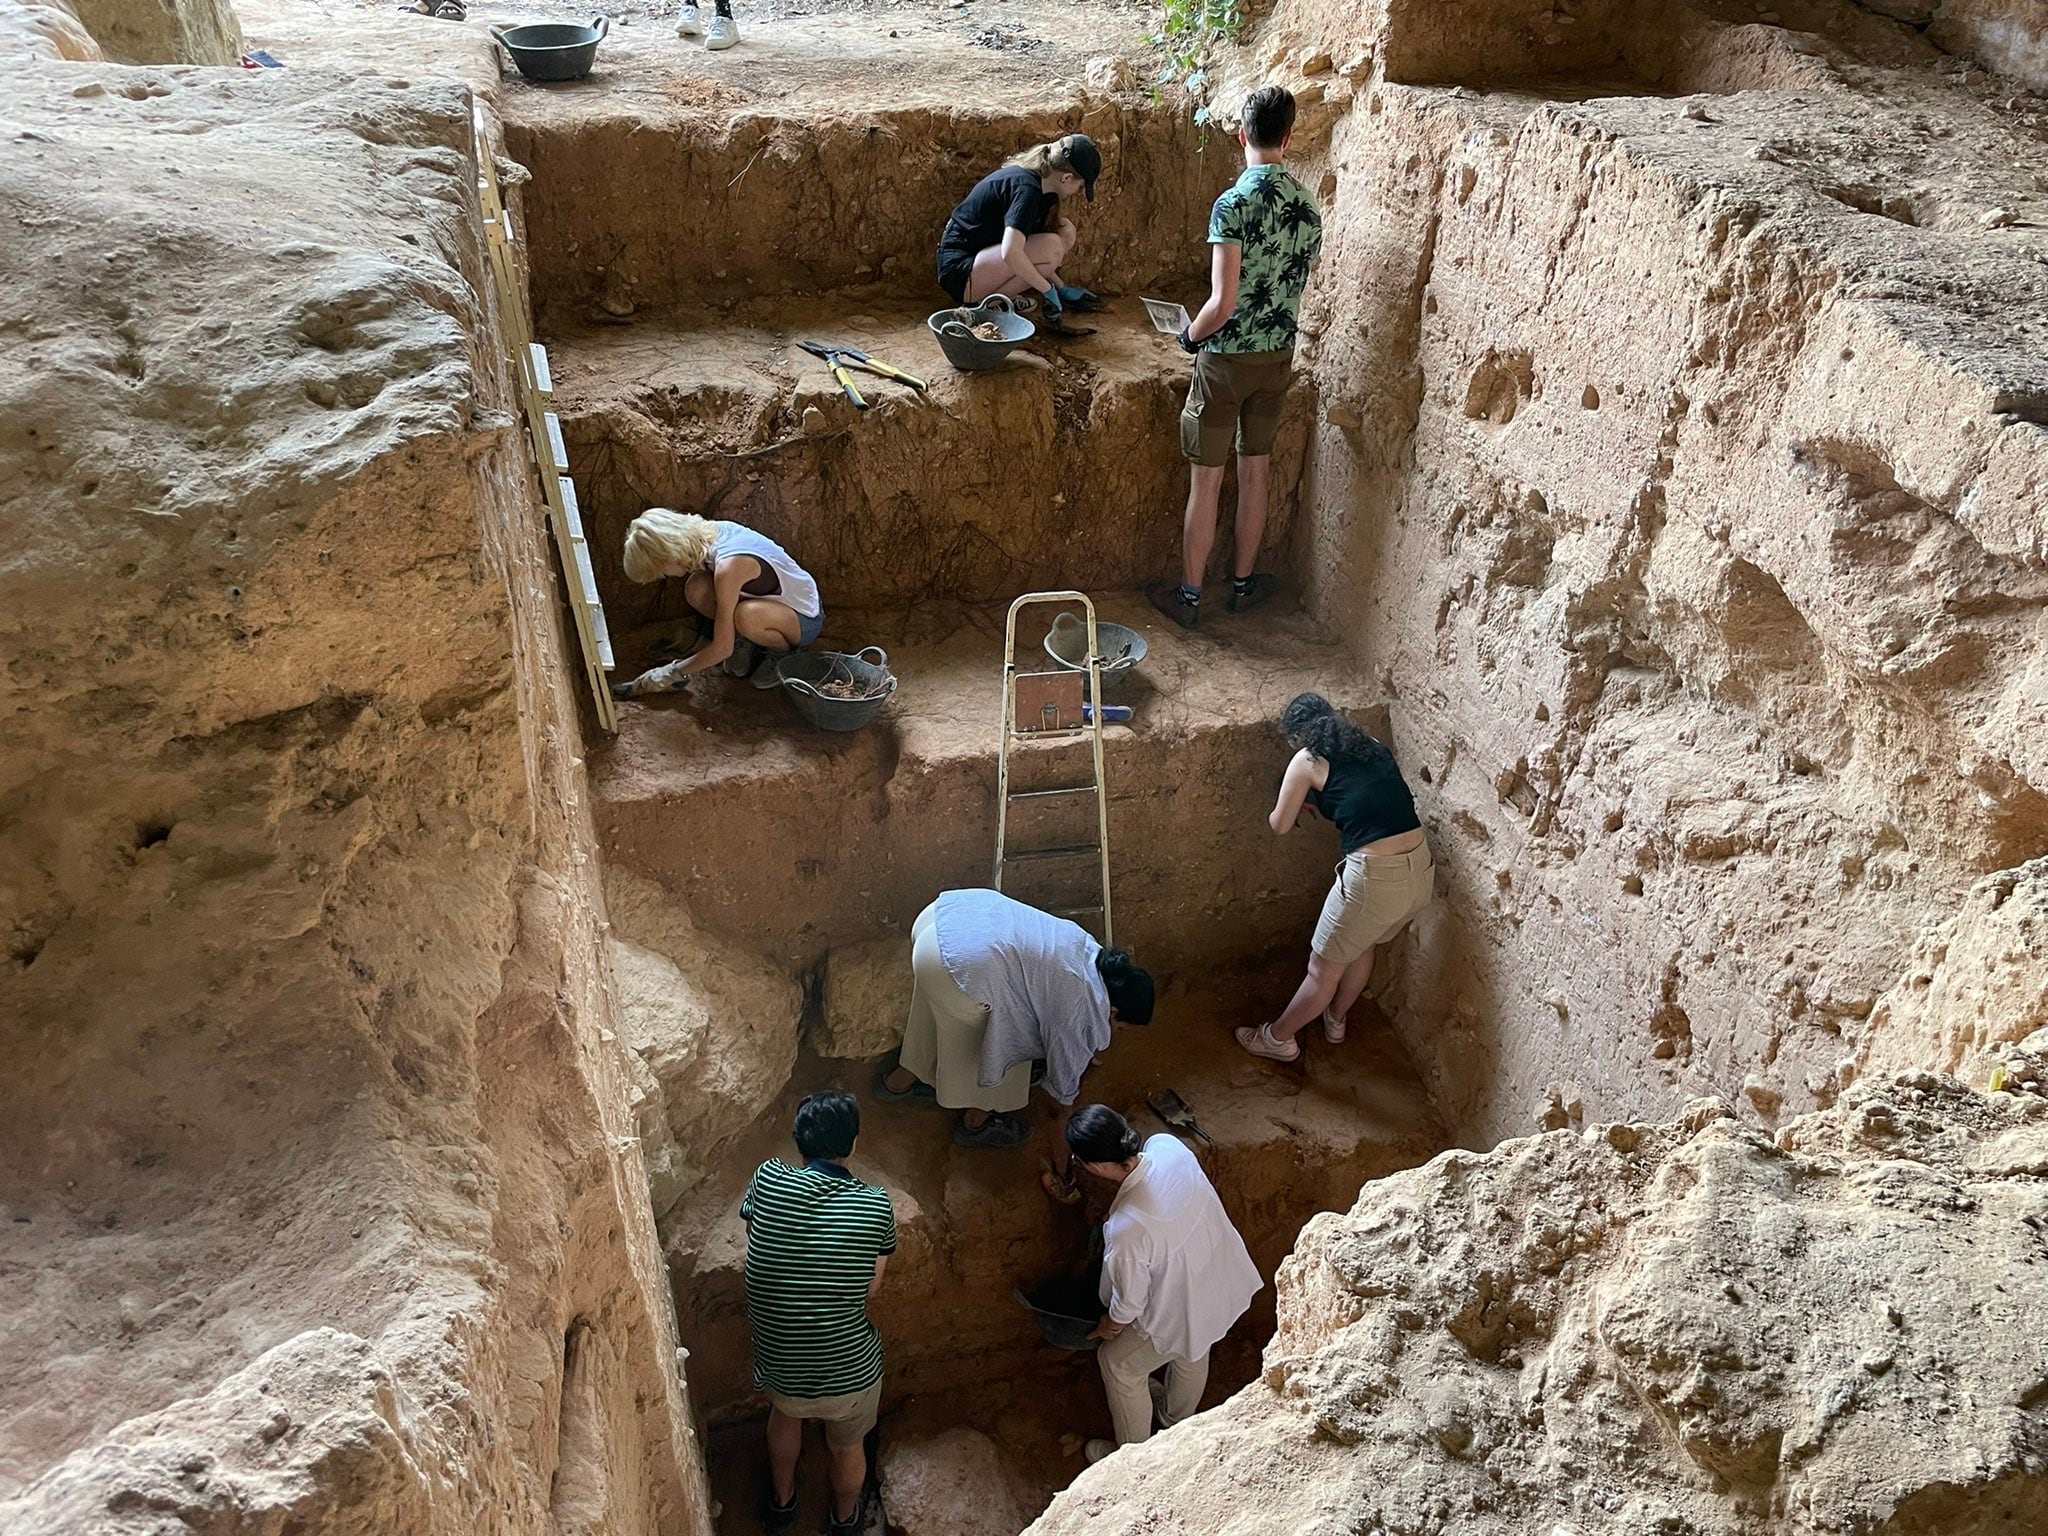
(761,603)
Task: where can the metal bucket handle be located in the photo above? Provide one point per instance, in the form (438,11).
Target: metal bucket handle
(881,659)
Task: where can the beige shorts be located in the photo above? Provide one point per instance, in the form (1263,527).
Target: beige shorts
(1234,395)
(847,1419)
(1372,900)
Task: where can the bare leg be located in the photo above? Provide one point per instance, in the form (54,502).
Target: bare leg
(1310,998)
(785,1444)
(1253,475)
(1356,975)
(992,274)
(769,623)
(1198,527)
(699,593)
(849,1475)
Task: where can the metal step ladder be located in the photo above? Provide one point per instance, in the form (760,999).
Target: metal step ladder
(1051,706)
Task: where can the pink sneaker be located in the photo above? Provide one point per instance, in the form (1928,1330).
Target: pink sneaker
(1260,1042)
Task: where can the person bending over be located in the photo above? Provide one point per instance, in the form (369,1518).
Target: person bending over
(1175,1274)
(1264,233)
(761,603)
(1009,237)
(1383,880)
(995,986)
(818,1240)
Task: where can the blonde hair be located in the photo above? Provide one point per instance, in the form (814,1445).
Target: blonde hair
(662,542)
(1044,159)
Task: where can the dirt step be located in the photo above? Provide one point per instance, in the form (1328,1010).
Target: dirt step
(1061,468)
(790,840)
(1288,1142)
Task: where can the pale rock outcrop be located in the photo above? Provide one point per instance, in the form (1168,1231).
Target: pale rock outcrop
(1684,1327)
(45,29)
(2009,36)
(954,1483)
(713,1028)
(866,999)
(163,31)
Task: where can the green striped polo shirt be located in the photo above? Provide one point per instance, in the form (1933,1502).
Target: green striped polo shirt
(813,1235)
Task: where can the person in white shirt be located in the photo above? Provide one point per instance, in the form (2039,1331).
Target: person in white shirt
(761,604)
(1175,1274)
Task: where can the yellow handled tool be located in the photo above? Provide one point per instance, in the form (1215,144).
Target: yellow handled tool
(838,359)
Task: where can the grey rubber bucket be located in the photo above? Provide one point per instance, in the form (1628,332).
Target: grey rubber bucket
(1067,643)
(553,50)
(966,351)
(804,675)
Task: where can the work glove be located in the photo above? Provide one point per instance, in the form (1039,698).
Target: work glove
(1078,298)
(669,679)
(1188,344)
(1051,300)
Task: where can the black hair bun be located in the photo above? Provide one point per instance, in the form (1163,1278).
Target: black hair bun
(1115,964)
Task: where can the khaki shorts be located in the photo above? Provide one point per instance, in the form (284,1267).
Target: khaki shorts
(847,1419)
(1372,900)
(1234,395)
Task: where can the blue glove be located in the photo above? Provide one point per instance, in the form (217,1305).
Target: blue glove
(1051,300)
(1078,298)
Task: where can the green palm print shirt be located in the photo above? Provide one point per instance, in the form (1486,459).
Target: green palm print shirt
(1272,219)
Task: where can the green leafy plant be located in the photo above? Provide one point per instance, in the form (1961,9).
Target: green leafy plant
(1187,30)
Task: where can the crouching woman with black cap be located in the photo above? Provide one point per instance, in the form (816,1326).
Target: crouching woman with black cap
(1009,236)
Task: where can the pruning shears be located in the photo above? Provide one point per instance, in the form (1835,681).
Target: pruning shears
(839,359)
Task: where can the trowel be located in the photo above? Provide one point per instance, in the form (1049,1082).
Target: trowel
(1172,1108)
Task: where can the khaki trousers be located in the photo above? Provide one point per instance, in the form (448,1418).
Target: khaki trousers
(1127,1362)
(942,1037)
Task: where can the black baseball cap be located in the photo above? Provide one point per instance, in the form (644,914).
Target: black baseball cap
(1083,158)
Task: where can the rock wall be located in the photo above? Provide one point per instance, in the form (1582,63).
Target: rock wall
(1680,478)
(322,1203)
(163,31)
(1684,1327)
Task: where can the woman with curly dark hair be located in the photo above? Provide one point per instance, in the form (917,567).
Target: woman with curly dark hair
(1383,880)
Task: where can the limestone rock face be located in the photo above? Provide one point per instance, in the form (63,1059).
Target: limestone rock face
(2010,36)
(1680,1327)
(955,1483)
(45,29)
(164,31)
(867,999)
(714,1029)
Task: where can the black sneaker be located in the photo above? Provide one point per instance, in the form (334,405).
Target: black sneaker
(767,671)
(995,1131)
(1166,597)
(1251,593)
(854,1523)
(780,1519)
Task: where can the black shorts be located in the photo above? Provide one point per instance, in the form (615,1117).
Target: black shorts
(953,275)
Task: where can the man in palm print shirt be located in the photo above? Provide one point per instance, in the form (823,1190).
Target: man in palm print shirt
(1263,234)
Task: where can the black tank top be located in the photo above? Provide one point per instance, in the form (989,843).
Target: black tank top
(1366,801)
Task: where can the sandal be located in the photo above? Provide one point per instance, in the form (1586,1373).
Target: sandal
(888,1095)
(1060,1187)
(1333,1028)
(1260,1042)
(996,1131)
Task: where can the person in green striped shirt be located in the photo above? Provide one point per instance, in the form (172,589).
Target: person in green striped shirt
(818,1240)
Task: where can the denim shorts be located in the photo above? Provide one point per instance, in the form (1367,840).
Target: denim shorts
(808,628)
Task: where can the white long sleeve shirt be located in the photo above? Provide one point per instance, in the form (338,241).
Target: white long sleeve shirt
(1175,1267)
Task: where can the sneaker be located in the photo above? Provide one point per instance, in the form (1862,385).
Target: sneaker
(1333,1028)
(996,1131)
(1260,1042)
(767,671)
(1097,1449)
(854,1523)
(724,33)
(1167,598)
(1263,585)
(689,22)
(781,1518)
(744,658)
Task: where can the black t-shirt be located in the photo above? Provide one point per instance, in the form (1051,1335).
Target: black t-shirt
(1011,198)
(1367,801)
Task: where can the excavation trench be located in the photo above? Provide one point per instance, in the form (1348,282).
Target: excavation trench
(742,846)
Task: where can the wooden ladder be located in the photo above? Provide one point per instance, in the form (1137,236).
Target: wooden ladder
(544,432)
(1050,706)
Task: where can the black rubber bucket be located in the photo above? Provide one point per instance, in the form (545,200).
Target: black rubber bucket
(553,50)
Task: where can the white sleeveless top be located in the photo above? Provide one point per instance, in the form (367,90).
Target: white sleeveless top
(798,589)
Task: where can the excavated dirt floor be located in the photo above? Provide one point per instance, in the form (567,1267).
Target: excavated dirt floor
(1289,1141)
